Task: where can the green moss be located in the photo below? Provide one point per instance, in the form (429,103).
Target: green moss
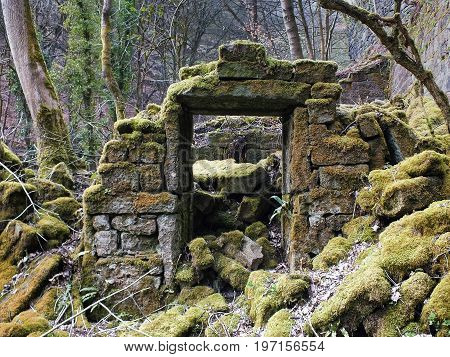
(225,326)
(52,228)
(10,329)
(269,292)
(269,253)
(441,255)
(197,70)
(243,50)
(8,158)
(213,303)
(407,244)
(360,229)
(201,255)
(391,321)
(65,207)
(257,230)
(436,312)
(280,324)
(326,90)
(61,174)
(13,199)
(425,117)
(46,304)
(172,323)
(359,294)
(231,271)
(30,287)
(191,295)
(231,242)
(7,271)
(186,275)
(47,190)
(335,250)
(139,125)
(32,321)
(17,240)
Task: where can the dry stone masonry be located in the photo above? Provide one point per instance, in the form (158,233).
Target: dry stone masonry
(139,217)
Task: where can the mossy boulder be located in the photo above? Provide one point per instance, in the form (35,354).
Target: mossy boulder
(269,252)
(425,117)
(269,292)
(390,321)
(10,160)
(66,208)
(257,230)
(408,186)
(435,315)
(61,174)
(32,321)
(335,250)
(280,324)
(54,230)
(46,304)
(231,271)
(225,326)
(29,287)
(441,255)
(47,190)
(186,275)
(14,201)
(360,229)
(17,240)
(201,255)
(191,295)
(253,209)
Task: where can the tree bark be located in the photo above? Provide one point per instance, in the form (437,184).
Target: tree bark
(309,43)
(53,140)
(399,43)
(291,29)
(107,71)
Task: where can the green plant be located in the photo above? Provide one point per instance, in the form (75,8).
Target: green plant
(283,208)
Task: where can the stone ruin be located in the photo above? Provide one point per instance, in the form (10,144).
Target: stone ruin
(139,217)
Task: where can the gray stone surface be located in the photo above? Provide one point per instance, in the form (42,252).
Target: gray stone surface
(135,224)
(105,243)
(169,237)
(101,222)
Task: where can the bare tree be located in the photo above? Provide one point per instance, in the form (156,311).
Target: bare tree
(107,71)
(291,29)
(394,35)
(52,135)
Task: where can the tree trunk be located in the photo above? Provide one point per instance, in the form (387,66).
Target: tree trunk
(291,29)
(309,43)
(107,71)
(53,140)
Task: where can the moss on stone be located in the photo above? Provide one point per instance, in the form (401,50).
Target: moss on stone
(231,271)
(32,321)
(191,295)
(16,240)
(269,292)
(197,70)
(201,255)
(62,175)
(435,315)
(7,271)
(13,199)
(30,287)
(326,90)
(225,326)
(47,190)
(360,229)
(172,323)
(143,126)
(10,329)
(212,303)
(46,304)
(407,244)
(441,255)
(280,324)
(269,253)
(425,117)
(8,157)
(231,242)
(186,275)
(335,250)
(257,230)
(65,207)
(389,322)
(52,228)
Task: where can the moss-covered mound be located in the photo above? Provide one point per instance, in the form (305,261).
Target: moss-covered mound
(335,250)
(406,245)
(269,292)
(408,186)
(280,324)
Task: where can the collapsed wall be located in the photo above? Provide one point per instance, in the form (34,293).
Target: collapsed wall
(139,218)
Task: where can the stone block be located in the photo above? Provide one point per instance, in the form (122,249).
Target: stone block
(325,201)
(163,202)
(119,177)
(342,177)
(243,51)
(145,225)
(105,243)
(150,178)
(151,153)
(378,153)
(114,151)
(326,90)
(321,111)
(253,209)
(311,72)
(131,242)
(368,125)
(169,237)
(101,222)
